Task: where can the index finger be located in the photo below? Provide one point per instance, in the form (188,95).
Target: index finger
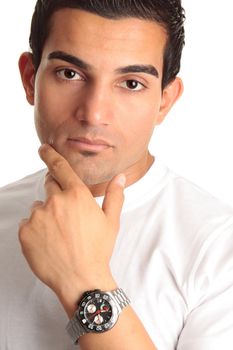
(51,185)
(59,168)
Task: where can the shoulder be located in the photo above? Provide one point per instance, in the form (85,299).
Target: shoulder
(21,193)
(196,228)
(195,202)
(201,219)
(203,227)
(25,181)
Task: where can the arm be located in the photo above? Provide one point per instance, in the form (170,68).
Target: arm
(61,242)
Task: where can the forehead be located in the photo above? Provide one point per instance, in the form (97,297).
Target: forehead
(106,40)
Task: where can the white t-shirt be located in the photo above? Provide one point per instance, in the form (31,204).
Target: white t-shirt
(173,257)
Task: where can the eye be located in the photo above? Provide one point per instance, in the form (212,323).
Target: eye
(133,85)
(68,74)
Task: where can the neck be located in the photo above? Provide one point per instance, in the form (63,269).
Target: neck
(133,174)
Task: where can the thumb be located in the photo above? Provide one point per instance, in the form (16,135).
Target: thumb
(114,198)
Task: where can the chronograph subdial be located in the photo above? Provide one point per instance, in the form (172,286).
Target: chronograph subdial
(97,312)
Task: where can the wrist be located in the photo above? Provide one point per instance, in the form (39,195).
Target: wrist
(72,291)
(97,312)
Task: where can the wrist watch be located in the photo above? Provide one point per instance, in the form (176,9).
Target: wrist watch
(97,312)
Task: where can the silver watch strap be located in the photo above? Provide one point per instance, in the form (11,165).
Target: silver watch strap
(120,297)
(75,329)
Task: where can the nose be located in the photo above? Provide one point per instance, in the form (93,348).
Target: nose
(94,106)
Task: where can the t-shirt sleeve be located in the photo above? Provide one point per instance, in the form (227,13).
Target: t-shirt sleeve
(209,323)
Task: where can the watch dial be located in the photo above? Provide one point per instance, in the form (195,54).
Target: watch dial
(95,312)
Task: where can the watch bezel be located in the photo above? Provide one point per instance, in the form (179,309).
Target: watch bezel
(90,327)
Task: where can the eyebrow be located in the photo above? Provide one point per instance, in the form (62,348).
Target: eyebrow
(136,68)
(60,55)
(139,68)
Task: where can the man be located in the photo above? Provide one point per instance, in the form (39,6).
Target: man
(102,75)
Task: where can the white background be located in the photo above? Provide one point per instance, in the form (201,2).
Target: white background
(195,140)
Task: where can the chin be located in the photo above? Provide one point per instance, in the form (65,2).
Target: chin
(91,169)
(91,180)
(92,176)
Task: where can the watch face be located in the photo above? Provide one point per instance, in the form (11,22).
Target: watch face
(97,312)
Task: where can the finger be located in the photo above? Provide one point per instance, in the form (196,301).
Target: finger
(114,198)
(22,223)
(21,232)
(59,168)
(36,205)
(51,185)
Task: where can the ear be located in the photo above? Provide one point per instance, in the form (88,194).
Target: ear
(170,95)
(27,72)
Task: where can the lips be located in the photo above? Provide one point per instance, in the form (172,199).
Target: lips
(90,141)
(88,145)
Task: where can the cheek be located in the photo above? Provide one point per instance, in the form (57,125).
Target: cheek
(42,115)
(139,121)
(50,109)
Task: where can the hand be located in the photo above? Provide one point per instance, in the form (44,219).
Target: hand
(68,240)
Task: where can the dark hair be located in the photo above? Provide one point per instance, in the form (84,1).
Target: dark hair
(168,13)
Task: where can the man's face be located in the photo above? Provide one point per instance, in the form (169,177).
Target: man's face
(99,110)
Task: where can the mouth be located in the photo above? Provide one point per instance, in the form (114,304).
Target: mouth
(83,144)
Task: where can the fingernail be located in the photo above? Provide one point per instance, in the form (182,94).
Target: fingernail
(121,180)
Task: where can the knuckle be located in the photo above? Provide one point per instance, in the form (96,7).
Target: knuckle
(23,230)
(48,179)
(54,204)
(35,205)
(77,192)
(56,165)
(53,201)
(37,215)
